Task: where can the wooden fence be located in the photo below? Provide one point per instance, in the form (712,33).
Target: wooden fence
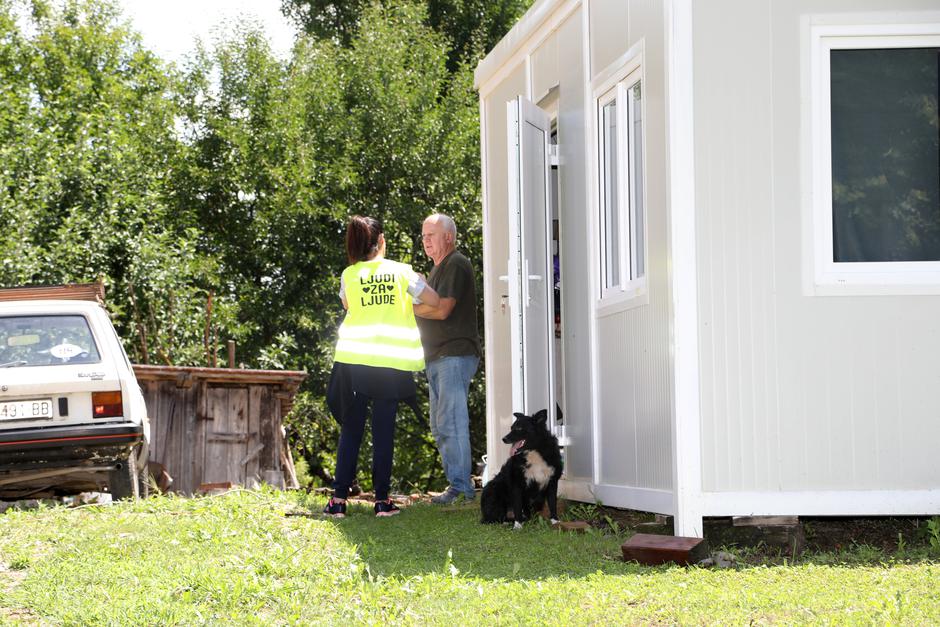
(219,425)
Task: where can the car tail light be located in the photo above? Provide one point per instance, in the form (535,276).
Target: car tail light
(106,404)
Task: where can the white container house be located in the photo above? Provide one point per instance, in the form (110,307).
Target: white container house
(743,201)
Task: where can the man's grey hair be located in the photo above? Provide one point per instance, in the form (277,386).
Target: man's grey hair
(446,221)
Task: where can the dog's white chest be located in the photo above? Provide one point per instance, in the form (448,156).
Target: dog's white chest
(536,470)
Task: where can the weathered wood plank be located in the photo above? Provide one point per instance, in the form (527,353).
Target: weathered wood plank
(238,421)
(256,416)
(152,398)
(70,291)
(287,379)
(216,431)
(269,432)
(214,470)
(200,424)
(228,438)
(764,521)
(175,458)
(227,434)
(184,440)
(164,446)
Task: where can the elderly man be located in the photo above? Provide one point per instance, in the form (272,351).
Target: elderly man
(451,352)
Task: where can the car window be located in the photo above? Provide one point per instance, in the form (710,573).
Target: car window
(46,340)
(127,360)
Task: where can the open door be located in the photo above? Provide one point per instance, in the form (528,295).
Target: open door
(530,272)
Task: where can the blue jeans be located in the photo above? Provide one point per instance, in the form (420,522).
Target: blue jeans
(448,383)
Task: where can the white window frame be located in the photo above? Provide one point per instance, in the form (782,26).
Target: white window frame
(616,82)
(854,278)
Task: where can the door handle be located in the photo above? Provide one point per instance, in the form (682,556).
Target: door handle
(527,297)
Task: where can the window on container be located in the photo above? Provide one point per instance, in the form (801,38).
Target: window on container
(622,207)
(637,208)
(885,154)
(610,206)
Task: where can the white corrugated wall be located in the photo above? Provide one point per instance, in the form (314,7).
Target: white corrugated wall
(634,358)
(799,392)
(495,256)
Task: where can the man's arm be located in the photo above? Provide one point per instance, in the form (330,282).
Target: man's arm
(444,307)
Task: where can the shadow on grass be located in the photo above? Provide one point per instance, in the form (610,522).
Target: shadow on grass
(417,542)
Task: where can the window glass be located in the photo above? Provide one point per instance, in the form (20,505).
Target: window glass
(46,341)
(637,230)
(885,154)
(611,218)
(623,211)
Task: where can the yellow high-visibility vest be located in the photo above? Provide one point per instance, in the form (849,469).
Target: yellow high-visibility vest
(379,328)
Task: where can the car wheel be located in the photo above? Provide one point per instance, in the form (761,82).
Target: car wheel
(123,480)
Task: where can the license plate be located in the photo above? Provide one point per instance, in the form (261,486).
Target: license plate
(27,409)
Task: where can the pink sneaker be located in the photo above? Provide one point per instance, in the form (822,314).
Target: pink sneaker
(335,509)
(386,508)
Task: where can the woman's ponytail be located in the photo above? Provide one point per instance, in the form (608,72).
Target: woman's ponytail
(362,238)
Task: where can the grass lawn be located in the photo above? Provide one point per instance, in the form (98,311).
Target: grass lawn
(247,558)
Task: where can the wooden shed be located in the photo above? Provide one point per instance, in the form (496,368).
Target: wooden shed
(219,425)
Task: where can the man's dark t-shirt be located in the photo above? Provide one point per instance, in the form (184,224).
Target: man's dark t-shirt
(457,335)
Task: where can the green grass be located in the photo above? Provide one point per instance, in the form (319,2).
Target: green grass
(240,558)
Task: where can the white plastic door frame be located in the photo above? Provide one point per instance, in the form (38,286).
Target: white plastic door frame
(530,269)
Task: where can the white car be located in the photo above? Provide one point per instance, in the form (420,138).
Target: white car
(72,416)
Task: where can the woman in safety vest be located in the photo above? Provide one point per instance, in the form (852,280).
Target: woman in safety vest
(377,351)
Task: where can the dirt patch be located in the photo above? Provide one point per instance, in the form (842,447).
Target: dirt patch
(628,518)
(9,580)
(887,536)
(368,498)
(835,534)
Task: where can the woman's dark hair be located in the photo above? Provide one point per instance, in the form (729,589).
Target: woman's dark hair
(362,238)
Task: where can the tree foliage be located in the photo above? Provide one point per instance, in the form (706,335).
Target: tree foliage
(212,198)
(469,26)
(88,145)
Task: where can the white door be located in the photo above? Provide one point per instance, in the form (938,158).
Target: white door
(530,261)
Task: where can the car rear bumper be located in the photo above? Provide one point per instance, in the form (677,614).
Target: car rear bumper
(95,443)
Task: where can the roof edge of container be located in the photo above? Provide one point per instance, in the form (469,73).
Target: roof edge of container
(537,14)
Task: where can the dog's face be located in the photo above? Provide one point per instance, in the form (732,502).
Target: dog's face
(525,428)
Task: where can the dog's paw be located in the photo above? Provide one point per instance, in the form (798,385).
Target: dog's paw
(517,525)
(554,521)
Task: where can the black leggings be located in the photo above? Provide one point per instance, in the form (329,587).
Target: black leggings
(383,440)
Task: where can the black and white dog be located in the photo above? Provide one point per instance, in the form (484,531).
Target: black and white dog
(529,477)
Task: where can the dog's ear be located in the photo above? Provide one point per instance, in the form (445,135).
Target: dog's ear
(518,415)
(559,415)
(541,415)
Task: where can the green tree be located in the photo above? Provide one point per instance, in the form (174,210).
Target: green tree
(212,199)
(470,26)
(413,137)
(280,153)
(88,143)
